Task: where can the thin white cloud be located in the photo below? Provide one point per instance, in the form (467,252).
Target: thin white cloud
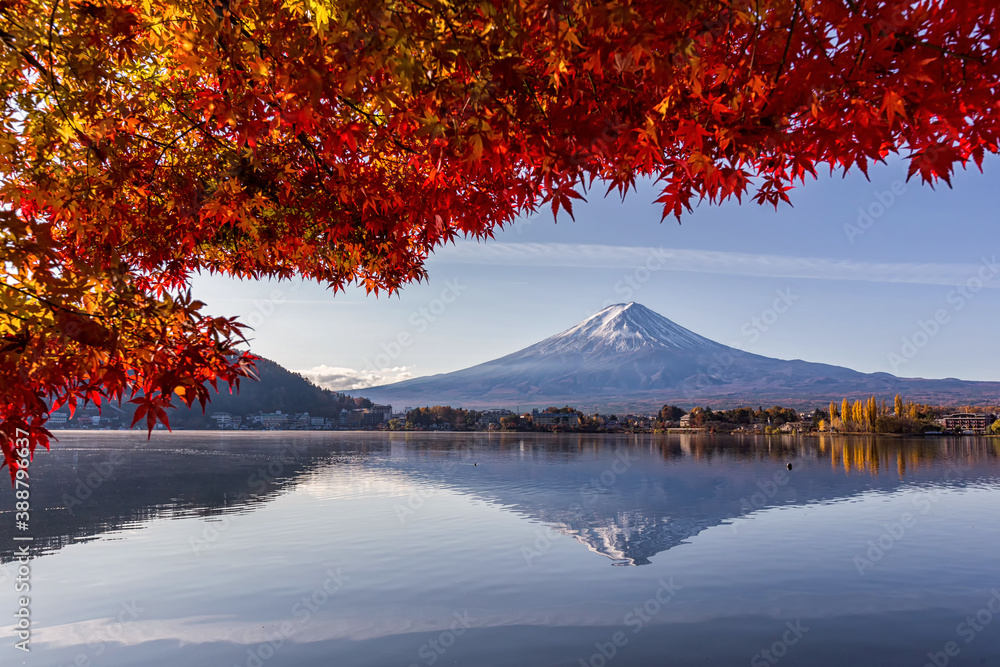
(338,378)
(310,302)
(715,261)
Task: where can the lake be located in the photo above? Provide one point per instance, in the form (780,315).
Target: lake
(505,549)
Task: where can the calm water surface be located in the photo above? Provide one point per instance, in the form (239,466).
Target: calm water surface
(490,550)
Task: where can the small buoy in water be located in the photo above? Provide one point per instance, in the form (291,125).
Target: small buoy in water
(789,466)
(475,464)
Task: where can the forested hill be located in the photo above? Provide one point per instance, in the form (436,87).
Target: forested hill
(277,389)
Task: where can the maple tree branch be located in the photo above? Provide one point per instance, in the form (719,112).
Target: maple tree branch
(156,142)
(817,37)
(788,42)
(196,125)
(940,49)
(54,83)
(263,49)
(8,39)
(52,23)
(753,52)
(304,140)
(374,121)
(534,98)
(165,147)
(50,304)
(443,15)
(13,314)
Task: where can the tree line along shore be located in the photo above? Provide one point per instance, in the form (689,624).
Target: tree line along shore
(859,416)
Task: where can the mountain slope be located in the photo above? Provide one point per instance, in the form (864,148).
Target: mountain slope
(276,389)
(627,356)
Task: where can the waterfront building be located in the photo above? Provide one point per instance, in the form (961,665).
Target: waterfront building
(976,422)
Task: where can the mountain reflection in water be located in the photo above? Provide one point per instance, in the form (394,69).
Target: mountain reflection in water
(626,497)
(366,549)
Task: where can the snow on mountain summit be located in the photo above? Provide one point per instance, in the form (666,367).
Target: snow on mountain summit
(628,355)
(623,327)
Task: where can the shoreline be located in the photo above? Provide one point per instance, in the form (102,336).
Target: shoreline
(670,431)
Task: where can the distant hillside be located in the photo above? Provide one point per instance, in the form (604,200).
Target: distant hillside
(277,389)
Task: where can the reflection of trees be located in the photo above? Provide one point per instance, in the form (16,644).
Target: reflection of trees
(649,508)
(78,494)
(872,455)
(860,453)
(667,494)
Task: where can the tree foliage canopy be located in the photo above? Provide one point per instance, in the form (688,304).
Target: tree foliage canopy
(342,140)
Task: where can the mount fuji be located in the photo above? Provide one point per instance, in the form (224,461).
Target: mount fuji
(629,357)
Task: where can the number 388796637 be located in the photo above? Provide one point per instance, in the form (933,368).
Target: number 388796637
(21,493)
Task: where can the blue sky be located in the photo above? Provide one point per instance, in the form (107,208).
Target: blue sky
(911,289)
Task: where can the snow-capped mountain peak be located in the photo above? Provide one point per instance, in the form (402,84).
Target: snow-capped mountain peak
(624,327)
(627,355)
